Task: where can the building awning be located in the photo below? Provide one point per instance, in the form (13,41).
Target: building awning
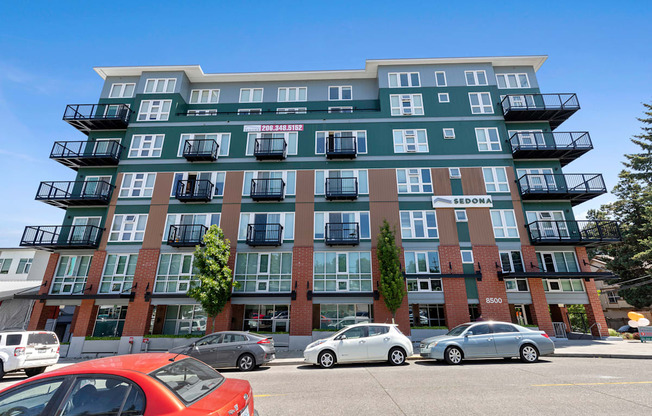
(12,287)
(559,275)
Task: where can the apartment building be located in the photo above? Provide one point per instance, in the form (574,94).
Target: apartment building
(462,156)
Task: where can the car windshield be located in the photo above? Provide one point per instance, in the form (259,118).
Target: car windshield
(47,338)
(458,329)
(189,379)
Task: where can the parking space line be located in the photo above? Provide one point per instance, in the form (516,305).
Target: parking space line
(591,384)
(268,395)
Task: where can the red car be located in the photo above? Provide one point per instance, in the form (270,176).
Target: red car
(130,385)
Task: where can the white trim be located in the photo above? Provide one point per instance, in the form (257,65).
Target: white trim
(132,226)
(450,134)
(340,109)
(454,173)
(292,145)
(123,88)
(355,133)
(292,110)
(254,174)
(147,148)
(213,179)
(460,215)
(445,83)
(412,145)
(496,183)
(339,92)
(250,111)
(175,219)
(503,215)
(154,110)
(482,107)
(418,173)
(406,105)
(213,96)
(517,78)
(223,142)
(476,81)
(169,84)
(397,76)
(467,252)
(252,92)
(144,191)
(422,218)
(297,92)
(357,173)
(443,97)
(325,219)
(283,220)
(489,140)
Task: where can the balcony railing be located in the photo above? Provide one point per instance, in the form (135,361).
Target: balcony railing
(75,193)
(88,117)
(342,233)
(576,187)
(194,190)
(554,108)
(268,148)
(565,146)
(200,150)
(341,188)
(587,233)
(343,147)
(62,236)
(186,235)
(270,189)
(76,154)
(264,234)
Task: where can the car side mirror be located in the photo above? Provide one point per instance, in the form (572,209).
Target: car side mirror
(468,333)
(341,337)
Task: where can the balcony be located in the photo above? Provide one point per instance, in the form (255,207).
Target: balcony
(576,187)
(75,193)
(341,188)
(87,117)
(565,146)
(343,147)
(200,150)
(264,234)
(553,108)
(268,148)
(342,234)
(194,190)
(76,154)
(62,236)
(186,235)
(584,233)
(270,189)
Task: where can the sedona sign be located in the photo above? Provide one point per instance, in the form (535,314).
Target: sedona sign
(462,201)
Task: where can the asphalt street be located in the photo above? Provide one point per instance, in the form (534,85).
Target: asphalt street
(553,386)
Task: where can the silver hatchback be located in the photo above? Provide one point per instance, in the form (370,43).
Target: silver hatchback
(487,340)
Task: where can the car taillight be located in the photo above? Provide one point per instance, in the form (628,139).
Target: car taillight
(546,335)
(58,348)
(19,351)
(264,341)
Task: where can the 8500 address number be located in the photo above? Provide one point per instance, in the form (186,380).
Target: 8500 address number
(494,300)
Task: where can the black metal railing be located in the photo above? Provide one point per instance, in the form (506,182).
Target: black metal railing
(270,148)
(62,236)
(191,112)
(264,234)
(565,146)
(341,188)
(342,233)
(193,190)
(564,185)
(554,108)
(269,189)
(200,150)
(341,147)
(186,235)
(585,232)
(87,117)
(67,193)
(87,153)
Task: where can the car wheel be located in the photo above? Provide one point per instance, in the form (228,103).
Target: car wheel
(326,359)
(2,371)
(529,353)
(396,356)
(246,362)
(31,372)
(453,355)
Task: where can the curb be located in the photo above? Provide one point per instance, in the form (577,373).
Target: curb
(589,355)
(299,361)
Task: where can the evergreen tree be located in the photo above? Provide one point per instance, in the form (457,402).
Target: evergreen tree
(392,283)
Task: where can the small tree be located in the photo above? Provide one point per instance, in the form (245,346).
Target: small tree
(215,278)
(392,284)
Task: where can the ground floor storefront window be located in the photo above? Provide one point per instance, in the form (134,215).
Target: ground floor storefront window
(337,316)
(184,320)
(427,315)
(521,314)
(474,312)
(110,321)
(267,318)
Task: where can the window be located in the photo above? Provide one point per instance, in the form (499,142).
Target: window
(184,320)
(422,263)
(121,90)
(513,81)
(516,285)
(159,85)
(504,223)
(70,276)
(272,186)
(286,219)
(342,271)
(404,79)
(511,261)
(563,285)
(558,261)
(341,139)
(418,224)
(204,96)
(440,78)
(146,145)
(475,78)
(207,112)
(360,217)
(251,95)
(336,316)
(449,133)
(137,185)
(495,180)
(467,256)
(488,139)
(250,111)
(340,93)
(190,233)
(175,274)
(263,272)
(293,110)
(118,273)
(23,266)
(340,110)
(286,94)
(443,97)
(521,101)
(344,176)
(406,104)
(128,228)
(205,141)
(110,321)
(481,103)
(460,215)
(217,179)
(32,398)
(612,297)
(267,318)
(197,379)
(414,181)
(454,173)
(291,139)
(547,224)
(410,141)
(427,315)
(154,110)
(5,264)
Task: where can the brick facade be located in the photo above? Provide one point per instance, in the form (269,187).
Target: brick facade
(490,288)
(455,296)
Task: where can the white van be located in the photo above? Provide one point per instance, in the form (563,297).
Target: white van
(31,351)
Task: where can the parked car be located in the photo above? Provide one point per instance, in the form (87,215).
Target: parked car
(347,321)
(138,384)
(360,342)
(487,340)
(245,350)
(32,351)
(627,328)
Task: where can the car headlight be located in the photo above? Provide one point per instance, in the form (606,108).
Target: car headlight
(432,344)
(316,343)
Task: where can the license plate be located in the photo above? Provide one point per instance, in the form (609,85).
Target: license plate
(245,411)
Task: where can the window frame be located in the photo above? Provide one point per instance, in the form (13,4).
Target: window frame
(496,183)
(212,92)
(144,139)
(283,220)
(160,114)
(123,88)
(504,227)
(290,150)
(122,279)
(467,252)
(488,139)
(221,139)
(182,277)
(412,227)
(320,189)
(476,79)
(143,189)
(452,175)
(445,83)
(252,92)
(448,136)
(357,218)
(363,278)
(405,145)
(424,187)
(401,110)
(398,79)
(168,83)
(443,97)
(481,106)
(286,92)
(360,135)
(267,275)
(340,89)
(459,218)
(517,75)
(246,183)
(121,231)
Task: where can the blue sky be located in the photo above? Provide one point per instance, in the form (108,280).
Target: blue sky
(601,50)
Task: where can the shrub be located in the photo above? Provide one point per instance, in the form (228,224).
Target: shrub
(613,333)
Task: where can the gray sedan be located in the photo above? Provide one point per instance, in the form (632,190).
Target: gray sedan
(487,340)
(244,350)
